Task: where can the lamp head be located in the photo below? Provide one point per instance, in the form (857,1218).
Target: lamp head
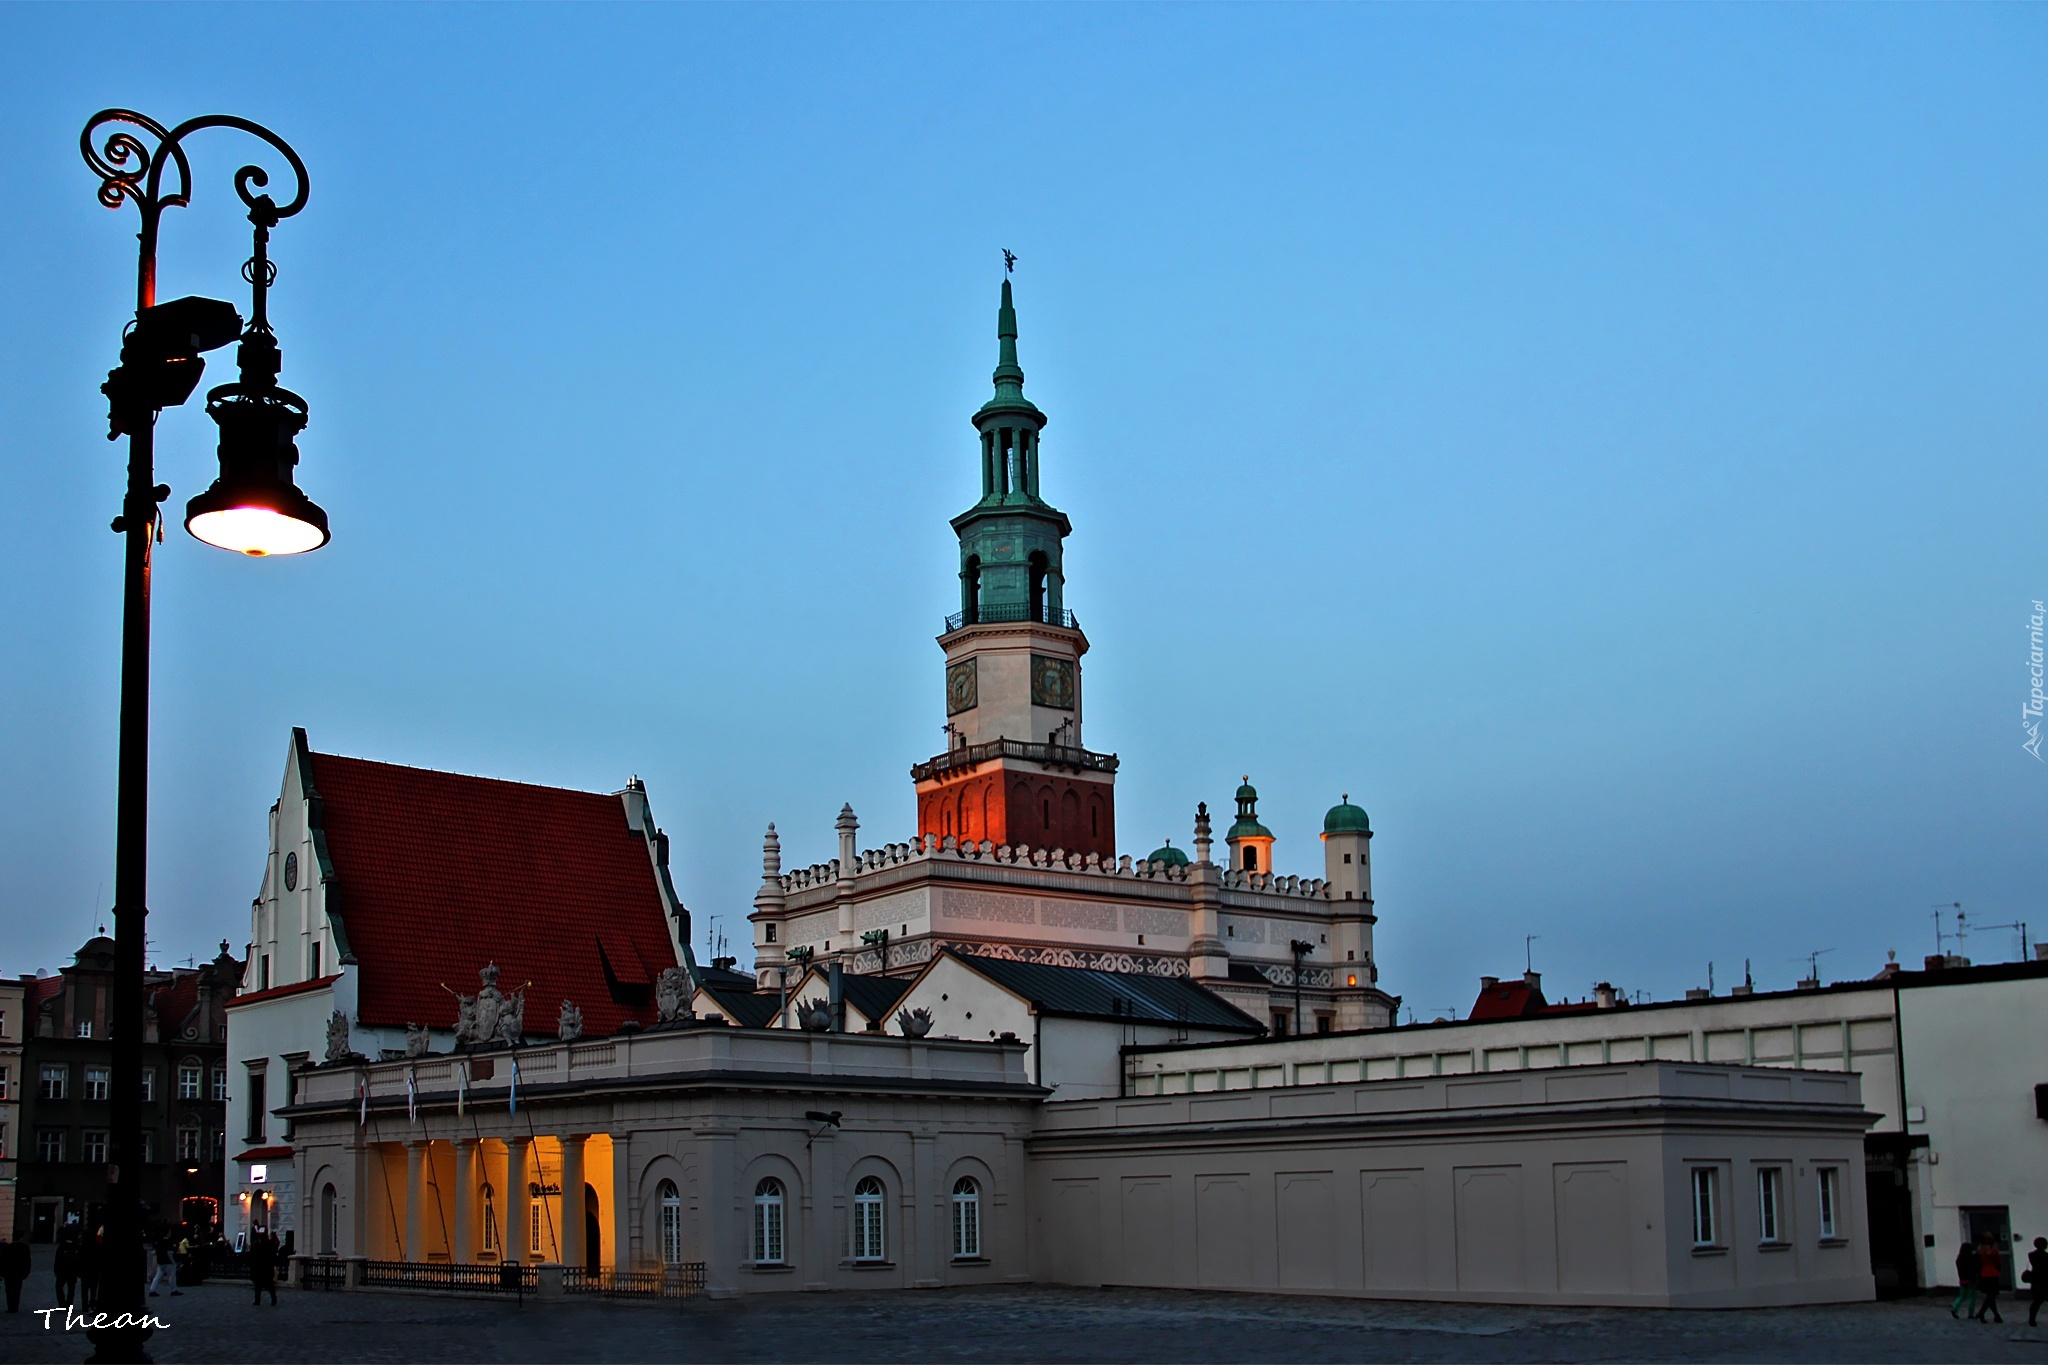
(161,352)
(254,508)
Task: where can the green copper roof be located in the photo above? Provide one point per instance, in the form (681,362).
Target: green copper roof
(1248,826)
(1168,854)
(1009,375)
(1346,819)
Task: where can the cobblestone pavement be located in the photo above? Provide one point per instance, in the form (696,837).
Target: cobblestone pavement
(216,1323)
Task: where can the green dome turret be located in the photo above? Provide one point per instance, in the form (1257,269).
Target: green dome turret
(1169,855)
(1248,826)
(1346,819)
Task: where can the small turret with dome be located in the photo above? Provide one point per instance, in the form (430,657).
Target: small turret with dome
(1345,818)
(1251,843)
(1167,854)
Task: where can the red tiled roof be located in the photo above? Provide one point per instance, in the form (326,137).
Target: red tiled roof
(265,1154)
(1508,1000)
(275,992)
(440,873)
(174,1002)
(45,987)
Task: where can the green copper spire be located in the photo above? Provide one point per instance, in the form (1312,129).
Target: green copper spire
(1010,539)
(1009,375)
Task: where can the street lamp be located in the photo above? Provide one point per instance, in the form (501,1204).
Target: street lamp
(253,507)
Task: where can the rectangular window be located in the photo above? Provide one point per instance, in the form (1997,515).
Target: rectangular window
(148,1146)
(264,979)
(85,1028)
(1768,1181)
(95,1082)
(490,1225)
(256,1106)
(1324,1023)
(49,1144)
(188,1144)
(1830,1200)
(55,1082)
(93,1150)
(313,961)
(148,1084)
(770,926)
(220,1144)
(3,1142)
(1703,1224)
(220,1083)
(188,1081)
(3,1083)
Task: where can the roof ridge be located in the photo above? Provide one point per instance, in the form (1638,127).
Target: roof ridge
(468,777)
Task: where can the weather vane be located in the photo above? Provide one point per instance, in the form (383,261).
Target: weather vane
(1009,261)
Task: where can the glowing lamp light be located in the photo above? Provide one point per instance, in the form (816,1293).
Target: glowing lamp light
(248,527)
(254,508)
(1351,980)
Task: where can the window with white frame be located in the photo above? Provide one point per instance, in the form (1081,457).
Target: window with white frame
(188,1080)
(1770,1181)
(220,1081)
(3,1142)
(55,1081)
(84,1029)
(148,1084)
(671,1223)
(867,1220)
(966,1219)
(148,1145)
(189,1139)
(220,1144)
(768,1223)
(96,1082)
(1705,1226)
(3,1083)
(490,1220)
(1830,1201)
(49,1144)
(93,1150)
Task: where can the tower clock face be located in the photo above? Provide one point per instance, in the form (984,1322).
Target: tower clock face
(1052,682)
(962,687)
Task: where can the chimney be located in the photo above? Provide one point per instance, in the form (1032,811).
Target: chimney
(1533,980)
(1603,996)
(1811,983)
(836,996)
(2041,952)
(1699,993)
(1487,983)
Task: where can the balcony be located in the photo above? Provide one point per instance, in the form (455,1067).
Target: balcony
(1069,756)
(998,613)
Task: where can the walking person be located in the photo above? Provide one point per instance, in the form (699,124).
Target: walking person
(1990,1275)
(2036,1274)
(166,1268)
(66,1267)
(263,1267)
(14,1267)
(1966,1277)
(88,1269)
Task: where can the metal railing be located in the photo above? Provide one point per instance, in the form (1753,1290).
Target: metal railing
(996,613)
(1052,755)
(661,1282)
(451,1276)
(323,1274)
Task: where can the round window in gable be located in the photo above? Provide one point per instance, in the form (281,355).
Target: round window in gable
(291,871)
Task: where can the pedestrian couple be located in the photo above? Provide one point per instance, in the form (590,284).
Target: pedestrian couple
(1980,1270)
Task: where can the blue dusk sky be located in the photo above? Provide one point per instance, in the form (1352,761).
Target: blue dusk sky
(1605,441)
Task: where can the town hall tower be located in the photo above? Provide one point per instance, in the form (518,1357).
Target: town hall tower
(1015,770)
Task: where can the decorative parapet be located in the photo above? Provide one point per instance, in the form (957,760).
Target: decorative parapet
(932,847)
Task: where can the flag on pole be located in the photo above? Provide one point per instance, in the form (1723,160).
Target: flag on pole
(363,1090)
(514,1092)
(412,1094)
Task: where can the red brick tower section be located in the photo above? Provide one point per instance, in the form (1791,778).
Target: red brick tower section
(1017,800)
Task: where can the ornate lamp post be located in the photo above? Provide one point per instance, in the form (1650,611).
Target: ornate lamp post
(253,507)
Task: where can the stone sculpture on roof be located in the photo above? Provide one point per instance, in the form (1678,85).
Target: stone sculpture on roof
(569,1025)
(338,1048)
(672,996)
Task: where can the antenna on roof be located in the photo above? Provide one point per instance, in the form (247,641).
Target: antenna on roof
(1528,956)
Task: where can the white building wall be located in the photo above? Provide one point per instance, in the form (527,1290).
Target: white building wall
(1972,1062)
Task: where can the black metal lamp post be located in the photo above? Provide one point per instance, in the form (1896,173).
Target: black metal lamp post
(253,508)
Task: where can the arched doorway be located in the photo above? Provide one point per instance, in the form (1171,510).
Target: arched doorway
(593,1231)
